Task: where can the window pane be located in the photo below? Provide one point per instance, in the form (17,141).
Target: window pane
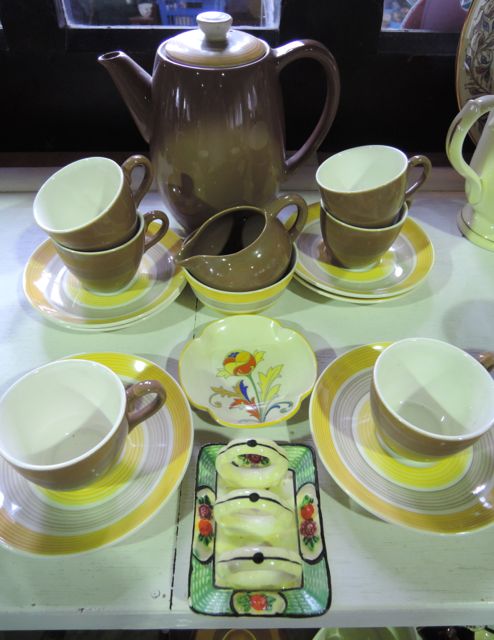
(431,15)
(176,13)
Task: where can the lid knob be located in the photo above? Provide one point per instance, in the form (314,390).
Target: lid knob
(215,25)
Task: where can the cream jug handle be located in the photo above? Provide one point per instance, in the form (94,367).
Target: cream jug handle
(466,118)
(316,51)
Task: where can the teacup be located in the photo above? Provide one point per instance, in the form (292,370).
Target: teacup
(244,248)
(430,399)
(367,186)
(358,247)
(89,205)
(63,425)
(113,269)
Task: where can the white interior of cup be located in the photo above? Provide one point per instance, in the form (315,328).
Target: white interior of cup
(361,168)
(59,414)
(435,388)
(77,195)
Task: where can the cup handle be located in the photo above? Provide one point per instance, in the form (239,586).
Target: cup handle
(418,161)
(138,390)
(156,237)
(128,167)
(486,358)
(280,203)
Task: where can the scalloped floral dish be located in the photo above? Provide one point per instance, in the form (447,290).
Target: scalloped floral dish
(247,371)
(240,566)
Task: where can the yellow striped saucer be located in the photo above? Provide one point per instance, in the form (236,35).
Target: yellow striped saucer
(55,293)
(452,495)
(34,520)
(337,296)
(402,268)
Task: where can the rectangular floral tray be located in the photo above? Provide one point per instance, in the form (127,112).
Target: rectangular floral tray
(312,597)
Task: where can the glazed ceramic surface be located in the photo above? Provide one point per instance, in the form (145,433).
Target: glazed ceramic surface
(64,424)
(367,186)
(299,493)
(474,58)
(430,399)
(244,248)
(358,247)
(227,147)
(55,293)
(341,298)
(89,205)
(452,495)
(403,267)
(476,219)
(156,455)
(235,302)
(247,371)
(111,270)
(367,633)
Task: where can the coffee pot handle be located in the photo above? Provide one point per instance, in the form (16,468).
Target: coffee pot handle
(316,51)
(463,122)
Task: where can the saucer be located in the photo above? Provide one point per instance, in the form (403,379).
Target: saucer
(451,495)
(341,298)
(304,538)
(247,371)
(402,268)
(53,291)
(38,521)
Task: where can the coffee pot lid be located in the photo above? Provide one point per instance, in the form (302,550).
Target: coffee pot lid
(214,43)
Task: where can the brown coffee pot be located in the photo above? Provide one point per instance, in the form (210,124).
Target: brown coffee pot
(213,115)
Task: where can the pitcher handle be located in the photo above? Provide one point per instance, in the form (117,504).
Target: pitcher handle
(128,167)
(317,51)
(155,237)
(463,122)
(284,201)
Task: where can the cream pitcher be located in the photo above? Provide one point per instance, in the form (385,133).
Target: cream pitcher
(476,219)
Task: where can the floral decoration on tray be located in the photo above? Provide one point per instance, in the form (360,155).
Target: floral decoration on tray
(258,544)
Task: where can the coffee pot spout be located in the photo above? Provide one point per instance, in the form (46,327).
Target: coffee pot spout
(134,85)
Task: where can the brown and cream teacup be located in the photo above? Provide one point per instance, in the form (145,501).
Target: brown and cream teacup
(113,269)
(367,186)
(63,425)
(358,247)
(89,205)
(430,399)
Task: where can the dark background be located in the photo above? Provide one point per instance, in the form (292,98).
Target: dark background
(397,88)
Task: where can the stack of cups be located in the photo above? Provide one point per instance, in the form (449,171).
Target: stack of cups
(364,201)
(89,210)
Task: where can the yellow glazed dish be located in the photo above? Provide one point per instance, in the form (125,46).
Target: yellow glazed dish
(234,302)
(247,371)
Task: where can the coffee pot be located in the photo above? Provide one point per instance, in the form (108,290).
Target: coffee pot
(475,219)
(212,113)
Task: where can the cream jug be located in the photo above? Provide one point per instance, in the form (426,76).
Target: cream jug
(476,219)
(212,113)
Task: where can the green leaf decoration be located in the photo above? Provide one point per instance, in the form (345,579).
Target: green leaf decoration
(307,500)
(266,380)
(226,393)
(223,373)
(244,603)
